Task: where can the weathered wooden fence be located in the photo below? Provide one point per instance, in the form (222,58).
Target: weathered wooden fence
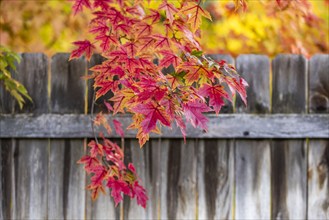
(269,160)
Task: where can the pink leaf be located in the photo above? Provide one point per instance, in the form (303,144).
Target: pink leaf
(118,127)
(193,112)
(79,4)
(83,47)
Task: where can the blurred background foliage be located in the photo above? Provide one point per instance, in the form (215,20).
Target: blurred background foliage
(261,26)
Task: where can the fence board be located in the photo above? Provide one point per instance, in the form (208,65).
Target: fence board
(289,157)
(215,179)
(7,183)
(187,190)
(67,87)
(318,179)
(252,158)
(248,126)
(31,179)
(67,96)
(318,156)
(143,164)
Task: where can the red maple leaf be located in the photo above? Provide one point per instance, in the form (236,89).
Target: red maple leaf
(95,191)
(79,4)
(103,4)
(193,113)
(107,41)
(152,113)
(99,174)
(216,94)
(237,84)
(96,149)
(90,162)
(170,10)
(140,194)
(118,127)
(118,186)
(154,16)
(169,59)
(83,47)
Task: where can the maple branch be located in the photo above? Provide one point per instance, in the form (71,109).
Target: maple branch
(92,116)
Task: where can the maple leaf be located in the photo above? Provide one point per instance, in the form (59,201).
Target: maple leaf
(90,162)
(103,4)
(196,73)
(118,127)
(237,84)
(194,13)
(99,175)
(95,191)
(101,120)
(169,59)
(96,149)
(193,113)
(143,29)
(150,89)
(161,41)
(216,94)
(79,4)
(107,41)
(105,87)
(140,193)
(154,16)
(83,47)
(118,186)
(170,10)
(152,114)
(99,27)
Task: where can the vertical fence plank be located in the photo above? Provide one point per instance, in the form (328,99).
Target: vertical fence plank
(252,157)
(289,156)
(142,160)
(318,157)
(7,184)
(187,190)
(215,179)
(163,163)
(67,96)
(31,156)
(103,207)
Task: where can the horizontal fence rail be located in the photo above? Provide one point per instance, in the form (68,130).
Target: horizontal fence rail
(219,126)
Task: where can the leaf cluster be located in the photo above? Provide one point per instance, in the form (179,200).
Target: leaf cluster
(8,61)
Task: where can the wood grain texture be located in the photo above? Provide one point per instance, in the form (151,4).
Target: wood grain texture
(288,158)
(289,84)
(318,150)
(31,172)
(7,184)
(215,179)
(319,84)
(247,126)
(33,74)
(255,69)
(67,96)
(253,178)
(252,158)
(67,86)
(186,185)
(66,180)
(139,157)
(163,163)
(318,179)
